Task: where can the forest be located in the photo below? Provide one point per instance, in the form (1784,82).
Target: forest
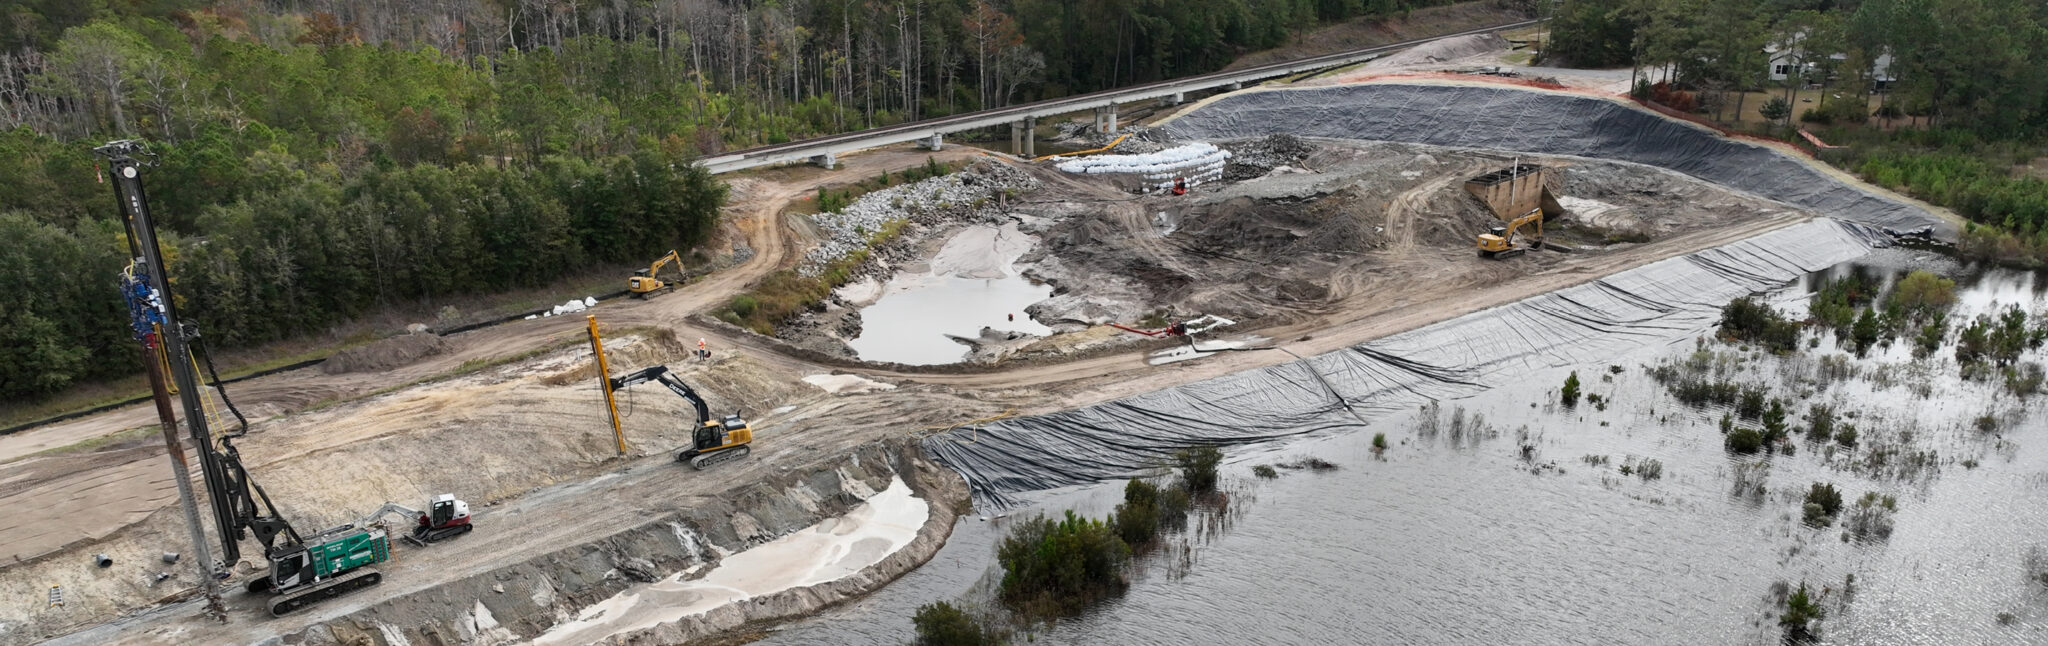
(1960,92)
(321,159)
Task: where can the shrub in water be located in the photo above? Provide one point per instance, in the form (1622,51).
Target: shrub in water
(1748,320)
(1820,423)
(941,624)
(1265,471)
(1847,436)
(1822,503)
(1059,567)
(1137,519)
(1745,441)
(1379,442)
(1800,613)
(1570,394)
(1198,467)
(1751,403)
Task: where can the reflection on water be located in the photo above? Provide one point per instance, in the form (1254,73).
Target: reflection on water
(910,323)
(1464,542)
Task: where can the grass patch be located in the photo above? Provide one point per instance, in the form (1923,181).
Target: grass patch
(788,292)
(1265,471)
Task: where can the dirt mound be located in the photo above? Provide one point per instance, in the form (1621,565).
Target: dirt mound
(1260,156)
(385,354)
(626,353)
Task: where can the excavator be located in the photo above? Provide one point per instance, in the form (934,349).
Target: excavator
(647,282)
(446,516)
(1499,244)
(303,569)
(714,441)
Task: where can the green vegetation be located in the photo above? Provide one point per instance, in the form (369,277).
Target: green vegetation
(1922,294)
(1147,510)
(1963,100)
(1746,319)
(1998,341)
(1056,568)
(1835,303)
(1820,423)
(1847,436)
(788,292)
(1198,468)
(1823,502)
(1870,519)
(1648,469)
(831,201)
(1265,471)
(325,161)
(1751,404)
(1800,614)
(1570,394)
(941,624)
(1379,442)
(1744,441)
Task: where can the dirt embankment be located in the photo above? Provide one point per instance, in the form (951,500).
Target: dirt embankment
(519,601)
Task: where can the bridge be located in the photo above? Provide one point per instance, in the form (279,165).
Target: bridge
(1023,118)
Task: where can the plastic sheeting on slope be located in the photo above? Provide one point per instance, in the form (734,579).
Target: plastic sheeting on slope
(1460,357)
(1519,119)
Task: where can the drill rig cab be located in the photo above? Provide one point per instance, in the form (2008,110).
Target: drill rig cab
(303,569)
(647,282)
(713,441)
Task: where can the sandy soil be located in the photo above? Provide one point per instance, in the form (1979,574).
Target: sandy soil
(549,473)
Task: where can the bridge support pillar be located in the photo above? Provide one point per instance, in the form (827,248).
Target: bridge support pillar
(1022,136)
(828,161)
(1105,119)
(1178,98)
(1233,87)
(935,142)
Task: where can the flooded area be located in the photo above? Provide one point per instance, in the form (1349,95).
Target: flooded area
(1500,515)
(972,284)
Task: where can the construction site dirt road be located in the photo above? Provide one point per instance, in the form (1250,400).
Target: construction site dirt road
(539,452)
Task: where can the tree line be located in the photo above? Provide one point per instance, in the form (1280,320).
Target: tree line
(323,158)
(1957,63)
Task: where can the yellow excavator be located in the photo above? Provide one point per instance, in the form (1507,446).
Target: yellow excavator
(713,441)
(1500,242)
(647,282)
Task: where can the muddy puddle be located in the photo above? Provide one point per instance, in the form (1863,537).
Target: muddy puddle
(970,285)
(1502,516)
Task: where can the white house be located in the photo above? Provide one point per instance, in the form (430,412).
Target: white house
(1785,56)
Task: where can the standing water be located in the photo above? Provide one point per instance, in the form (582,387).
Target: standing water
(971,284)
(1507,517)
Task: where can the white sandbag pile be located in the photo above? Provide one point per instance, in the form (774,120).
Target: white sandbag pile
(1198,162)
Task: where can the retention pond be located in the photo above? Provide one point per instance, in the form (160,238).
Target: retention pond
(1500,515)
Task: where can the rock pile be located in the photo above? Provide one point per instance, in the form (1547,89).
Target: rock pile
(949,197)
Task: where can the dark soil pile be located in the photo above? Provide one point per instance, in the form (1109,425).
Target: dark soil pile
(385,354)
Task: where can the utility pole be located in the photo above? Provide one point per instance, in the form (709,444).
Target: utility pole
(149,307)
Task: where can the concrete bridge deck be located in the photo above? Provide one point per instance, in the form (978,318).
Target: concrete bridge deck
(1022,118)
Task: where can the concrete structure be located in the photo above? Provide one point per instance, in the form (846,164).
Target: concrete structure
(824,150)
(1516,190)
